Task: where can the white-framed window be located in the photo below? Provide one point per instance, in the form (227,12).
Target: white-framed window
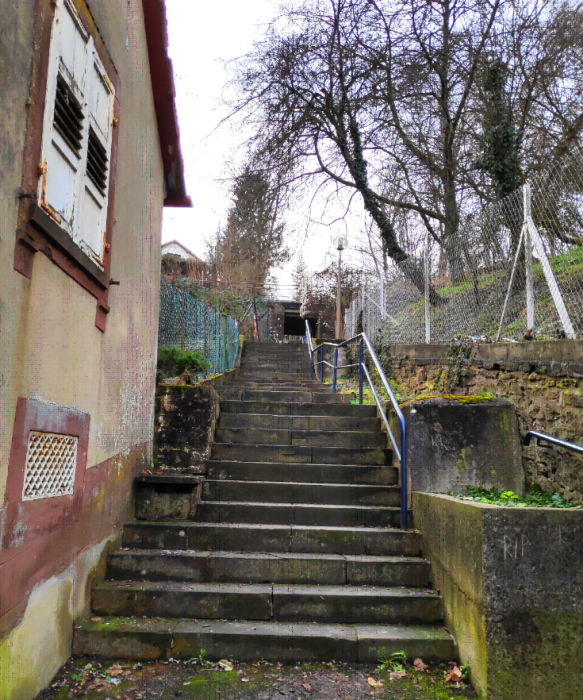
(77,134)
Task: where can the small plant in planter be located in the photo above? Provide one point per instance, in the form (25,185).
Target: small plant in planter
(173,362)
(535,498)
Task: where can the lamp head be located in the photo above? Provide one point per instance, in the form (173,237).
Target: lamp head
(341,242)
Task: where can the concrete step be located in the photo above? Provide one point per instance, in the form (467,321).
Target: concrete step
(275,370)
(240,393)
(294,492)
(258,567)
(325,423)
(301,514)
(133,638)
(296,453)
(273,602)
(251,348)
(278,382)
(283,408)
(306,438)
(307,473)
(282,386)
(188,535)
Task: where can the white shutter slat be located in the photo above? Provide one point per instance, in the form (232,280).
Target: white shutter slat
(64,127)
(73,47)
(100,103)
(60,187)
(92,222)
(94,194)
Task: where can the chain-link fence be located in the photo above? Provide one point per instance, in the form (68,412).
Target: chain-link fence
(189,323)
(514,270)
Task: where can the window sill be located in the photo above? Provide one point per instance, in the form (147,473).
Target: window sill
(41,234)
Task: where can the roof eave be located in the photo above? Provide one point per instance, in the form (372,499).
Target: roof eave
(162,79)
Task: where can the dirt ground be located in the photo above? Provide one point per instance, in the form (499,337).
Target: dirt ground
(123,680)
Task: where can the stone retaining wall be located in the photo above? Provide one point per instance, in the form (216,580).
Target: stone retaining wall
(544,381)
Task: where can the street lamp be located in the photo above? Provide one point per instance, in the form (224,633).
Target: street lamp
(341,244)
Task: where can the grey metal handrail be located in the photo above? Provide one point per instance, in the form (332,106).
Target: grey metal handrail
(553,440)
(363,342)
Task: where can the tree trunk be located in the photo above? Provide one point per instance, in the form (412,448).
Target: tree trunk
(408,265)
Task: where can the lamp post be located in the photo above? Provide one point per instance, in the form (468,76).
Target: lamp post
(341,244)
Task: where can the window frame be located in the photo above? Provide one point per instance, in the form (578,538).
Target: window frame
(40,228)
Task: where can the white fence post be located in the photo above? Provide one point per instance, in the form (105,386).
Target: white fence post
(533,234)
(427,305)
(382,296)
(528,260)
(511,283)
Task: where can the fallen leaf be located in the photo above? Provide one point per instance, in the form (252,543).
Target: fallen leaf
(419,665)
(96,619)
(396,675)
(454,675)
(245,680)
(374,684)
(306,686)
(226,665)
(322,597)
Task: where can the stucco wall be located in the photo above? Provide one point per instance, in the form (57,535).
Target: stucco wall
(50,349)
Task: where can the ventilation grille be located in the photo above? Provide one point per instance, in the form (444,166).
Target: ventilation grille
(68,118)
(50,465)
(96,162)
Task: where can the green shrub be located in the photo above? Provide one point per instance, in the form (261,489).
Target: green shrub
(172,362)
(535,498)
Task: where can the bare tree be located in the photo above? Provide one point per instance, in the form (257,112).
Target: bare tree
(308,91)
(386,101)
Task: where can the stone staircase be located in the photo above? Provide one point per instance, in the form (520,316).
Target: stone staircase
(295,553)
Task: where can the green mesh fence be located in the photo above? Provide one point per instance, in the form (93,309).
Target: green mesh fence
(190,324)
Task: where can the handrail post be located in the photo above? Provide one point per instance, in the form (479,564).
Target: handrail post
(360,373)
(335,371)
(404,485)
(311,364)
(321,365)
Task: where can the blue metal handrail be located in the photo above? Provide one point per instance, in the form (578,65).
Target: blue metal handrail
(553,440)
(363,342)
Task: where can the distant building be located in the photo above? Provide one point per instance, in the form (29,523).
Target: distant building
(178,261)
(177,250)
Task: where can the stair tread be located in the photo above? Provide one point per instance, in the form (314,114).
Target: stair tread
(213,462)
(269,556)
(275,588)
(178,524)
(173,627)
(310,484)
(303,430)
(297,447)
(282,504)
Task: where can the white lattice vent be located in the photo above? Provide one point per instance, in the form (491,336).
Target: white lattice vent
(51,460)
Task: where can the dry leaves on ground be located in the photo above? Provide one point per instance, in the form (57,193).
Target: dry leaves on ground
(397,675)
(374,684)
(454,676)
(419,665)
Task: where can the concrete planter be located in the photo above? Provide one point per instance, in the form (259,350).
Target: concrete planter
(453,444)
(512,585)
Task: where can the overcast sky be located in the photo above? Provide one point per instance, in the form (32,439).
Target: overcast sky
(201,35)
